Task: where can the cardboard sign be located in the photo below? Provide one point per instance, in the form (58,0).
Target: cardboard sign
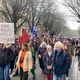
(7,33)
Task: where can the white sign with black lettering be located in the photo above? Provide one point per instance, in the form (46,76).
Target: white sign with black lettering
(7,33)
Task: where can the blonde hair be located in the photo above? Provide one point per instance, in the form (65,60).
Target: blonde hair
(43,43)
(59,45)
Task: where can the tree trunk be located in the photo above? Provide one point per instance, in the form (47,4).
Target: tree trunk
(15,29)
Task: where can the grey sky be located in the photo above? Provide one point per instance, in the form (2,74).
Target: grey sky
(64,10)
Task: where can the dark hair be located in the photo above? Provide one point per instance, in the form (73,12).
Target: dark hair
(1,45)
(78,51)
(26,46)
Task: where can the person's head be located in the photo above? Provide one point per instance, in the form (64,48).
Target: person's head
(30,46)
(65,47)
(49,48)
(59,46)
(25,47)
(43,44)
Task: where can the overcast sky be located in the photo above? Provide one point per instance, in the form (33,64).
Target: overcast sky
(64,10)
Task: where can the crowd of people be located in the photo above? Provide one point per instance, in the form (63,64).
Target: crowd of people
(54,55)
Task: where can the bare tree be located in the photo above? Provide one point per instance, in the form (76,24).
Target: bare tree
(54,22)
(15,11)
(21,11)
(38,9)
(74,6)
(32,12)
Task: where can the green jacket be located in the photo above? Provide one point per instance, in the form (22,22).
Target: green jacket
(33,54)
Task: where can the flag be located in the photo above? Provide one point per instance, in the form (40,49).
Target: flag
(34,30)
(24,38)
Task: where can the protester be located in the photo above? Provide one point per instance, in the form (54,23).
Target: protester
(41,52)
(5,58)
(48,63)
(61,62)
(34,61)
(24,62)
(54,57)
(78,54)
(16,48)
(66,48)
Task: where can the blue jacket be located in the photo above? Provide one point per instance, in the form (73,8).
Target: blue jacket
(62,62)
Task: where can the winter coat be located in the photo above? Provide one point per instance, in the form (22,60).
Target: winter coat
(27,62)
(33,54)
(42,51)
(62,62)
(5,56)
(48,61)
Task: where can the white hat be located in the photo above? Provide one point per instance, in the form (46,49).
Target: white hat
(48,46)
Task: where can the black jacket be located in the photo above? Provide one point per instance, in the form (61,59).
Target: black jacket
(5,56)
(48,61)
(62,63)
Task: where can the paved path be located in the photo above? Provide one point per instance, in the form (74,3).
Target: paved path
(73,75)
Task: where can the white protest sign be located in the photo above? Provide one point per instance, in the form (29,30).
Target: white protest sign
(7,33)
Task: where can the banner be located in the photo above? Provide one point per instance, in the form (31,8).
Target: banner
(7,33)
(24,38)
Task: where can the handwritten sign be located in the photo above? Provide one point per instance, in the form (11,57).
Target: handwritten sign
(7,33)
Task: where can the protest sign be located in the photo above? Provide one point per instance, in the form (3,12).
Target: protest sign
(7,33)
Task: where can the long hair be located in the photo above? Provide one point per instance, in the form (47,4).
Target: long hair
(26,46)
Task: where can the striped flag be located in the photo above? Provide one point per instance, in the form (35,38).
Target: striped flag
(34,30)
